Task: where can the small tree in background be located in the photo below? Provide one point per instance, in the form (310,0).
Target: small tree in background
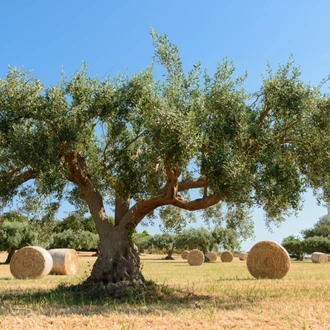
(142,240)
(316,244)
(76,223)
(317,238)
(321,228)
(75,232)
(226,239)
(196,238)
(294,246)
(82,240)
(16,231)
(165,241)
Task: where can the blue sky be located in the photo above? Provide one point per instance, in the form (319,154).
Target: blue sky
(110,36)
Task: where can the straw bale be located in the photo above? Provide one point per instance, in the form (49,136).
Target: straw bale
(65,261)
(184,254)
(195,257)
(212,256)
(319,257)
(243,256)
(31,262)
(268,259)
(226,256)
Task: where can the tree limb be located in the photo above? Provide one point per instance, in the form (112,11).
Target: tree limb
(18,176)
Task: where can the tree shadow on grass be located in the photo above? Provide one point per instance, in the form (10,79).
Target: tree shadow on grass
(66,299)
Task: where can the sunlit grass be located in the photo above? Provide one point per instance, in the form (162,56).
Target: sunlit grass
(213,296)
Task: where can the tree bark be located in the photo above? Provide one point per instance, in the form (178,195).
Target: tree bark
(10,255)
(118,264)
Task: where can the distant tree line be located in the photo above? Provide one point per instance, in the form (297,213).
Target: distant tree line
(79,233)
(188,239)
(315,239)
(74,232)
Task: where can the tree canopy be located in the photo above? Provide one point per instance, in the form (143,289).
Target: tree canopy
(140,144)
(315,239)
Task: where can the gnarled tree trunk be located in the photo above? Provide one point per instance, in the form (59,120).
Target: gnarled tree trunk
(117,267)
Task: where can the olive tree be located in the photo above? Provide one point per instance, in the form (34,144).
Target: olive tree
(316,243)
(195,238)
(140,144)
(294,245)
(142,240)
(317,238)
(321,228)
(164,241)
(16,231)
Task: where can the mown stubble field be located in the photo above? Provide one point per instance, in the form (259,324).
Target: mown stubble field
(212,296)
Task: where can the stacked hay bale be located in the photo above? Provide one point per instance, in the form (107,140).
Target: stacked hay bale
(31,262)
(65,261)
(184,254)
(243,256)
(195,257)
(212,256)
(319,257)
(226,256)
(268,259)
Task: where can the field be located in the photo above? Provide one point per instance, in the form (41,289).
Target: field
(212,296)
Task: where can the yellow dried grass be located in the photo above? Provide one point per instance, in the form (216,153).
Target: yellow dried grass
(195,257)
(226,256)
(268,259)
(65,261)
(31,262)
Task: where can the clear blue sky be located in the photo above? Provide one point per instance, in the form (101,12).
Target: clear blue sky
(110,36)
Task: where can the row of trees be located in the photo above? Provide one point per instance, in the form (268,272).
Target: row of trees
(311,240)
(76,232)
(188,239)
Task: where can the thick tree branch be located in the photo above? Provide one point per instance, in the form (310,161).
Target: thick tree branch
(264,115)
(19,176)
(193,183)
(144,207)
(79,176)
(200,182)
(172,183)
(197,204)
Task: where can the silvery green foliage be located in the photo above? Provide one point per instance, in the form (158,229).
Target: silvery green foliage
(149,141)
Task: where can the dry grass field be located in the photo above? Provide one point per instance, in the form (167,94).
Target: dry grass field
(212,296)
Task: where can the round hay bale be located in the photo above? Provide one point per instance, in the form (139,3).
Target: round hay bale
(243,256)
(31,262)
(195,257)
(212,256)
(319,257)
(65,261)
(226,256)
(184,254)
(268,259)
